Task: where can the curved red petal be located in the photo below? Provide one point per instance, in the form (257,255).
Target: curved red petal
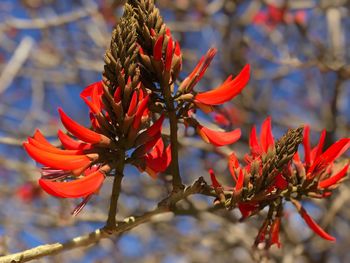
(117,95)
(240,180)
(156,127)
(275,229)
(78,130)
(93,107)
(132,104)
(332,153)
(88,91)
(314,226)
(74,189)
(228,90)
(71,144)
(142,106)
(41,138)
(253,142)
(158,48)
(169,55)
(334,179)
(266,137)
(52,149)
(213,179)
(218,138)
(57,161)
(306,143)
(319,147)
(233,164)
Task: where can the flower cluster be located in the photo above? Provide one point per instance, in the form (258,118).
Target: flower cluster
(119,123)
(138,91)
(275,173)
(124,112)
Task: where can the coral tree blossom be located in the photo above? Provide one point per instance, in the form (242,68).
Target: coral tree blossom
(79,167)
(257,186)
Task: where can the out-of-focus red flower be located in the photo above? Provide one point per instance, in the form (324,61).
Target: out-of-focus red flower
(29,191)
(273,16)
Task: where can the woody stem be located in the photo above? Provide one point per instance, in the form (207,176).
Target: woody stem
(177,182)
(111,223)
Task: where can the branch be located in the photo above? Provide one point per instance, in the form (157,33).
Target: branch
(197,187)
(118,177)
(177,182)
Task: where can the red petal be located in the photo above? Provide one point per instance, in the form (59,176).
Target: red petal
(331,154)
(320,144)
(218,138)
(41,138)
(275,229)
(177,50)
(306,143)
(213,179)
(145,148)
(88,91)
(228,90)
(72,144)
(240,181)
(94,108)
(156,127)
(247,209)
(233,164)
(133,103)
(334,179)
(266,136)
(117,95)
(253,142)
(280,182)
(158,48)
(221,119)
(52,149)
(57,161)
(169,55)
(158,159)
(167,32)
(139,113)
(314,226)
(296,157)
(74,189)
(206,62)
(78,130)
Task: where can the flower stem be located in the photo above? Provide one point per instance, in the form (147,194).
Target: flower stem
(177,182)
(111,223)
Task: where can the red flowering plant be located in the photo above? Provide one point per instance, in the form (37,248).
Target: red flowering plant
(139,90)
(274,174)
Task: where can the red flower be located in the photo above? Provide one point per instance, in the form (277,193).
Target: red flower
(79,169)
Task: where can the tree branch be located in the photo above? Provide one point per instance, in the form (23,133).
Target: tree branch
(197,187)
(118,177)
(177,182)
